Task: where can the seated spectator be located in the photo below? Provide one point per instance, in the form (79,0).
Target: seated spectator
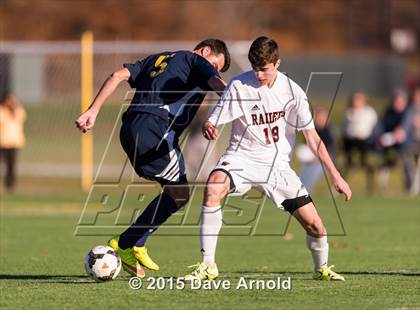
(411,145)
(359,121)
(392,135)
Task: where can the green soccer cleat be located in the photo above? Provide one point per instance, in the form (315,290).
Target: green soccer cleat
(140,253)
(326,274)
(113,242)
(128,260)
(201,272)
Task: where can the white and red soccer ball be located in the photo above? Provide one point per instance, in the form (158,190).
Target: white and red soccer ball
(102,263)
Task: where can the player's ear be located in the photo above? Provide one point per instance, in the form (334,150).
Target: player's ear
(277,64)
(205,51)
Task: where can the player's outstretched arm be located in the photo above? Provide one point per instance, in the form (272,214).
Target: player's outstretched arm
(209,130)
(319,150)
(227,109)
(87,119)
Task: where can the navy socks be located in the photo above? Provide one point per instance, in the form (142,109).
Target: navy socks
(155,214)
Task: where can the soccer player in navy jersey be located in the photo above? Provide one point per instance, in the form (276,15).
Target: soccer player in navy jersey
(170,86)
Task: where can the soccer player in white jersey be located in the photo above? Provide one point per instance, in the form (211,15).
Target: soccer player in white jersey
(266,109)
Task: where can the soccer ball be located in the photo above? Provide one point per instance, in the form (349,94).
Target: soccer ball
(102,263)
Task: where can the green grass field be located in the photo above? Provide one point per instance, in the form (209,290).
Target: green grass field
(377,247)
(41,262)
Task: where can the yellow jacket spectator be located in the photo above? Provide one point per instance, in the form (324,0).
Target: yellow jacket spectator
(12,118)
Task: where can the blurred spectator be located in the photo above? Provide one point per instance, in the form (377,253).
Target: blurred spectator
(312,169)
(392,135)
(359,121)
(411,146)
(12,118)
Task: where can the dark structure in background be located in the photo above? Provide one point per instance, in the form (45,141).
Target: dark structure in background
(4,76)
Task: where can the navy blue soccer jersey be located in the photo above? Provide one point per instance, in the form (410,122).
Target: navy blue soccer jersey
(171,85)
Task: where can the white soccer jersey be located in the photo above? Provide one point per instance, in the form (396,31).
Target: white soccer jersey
(264,120)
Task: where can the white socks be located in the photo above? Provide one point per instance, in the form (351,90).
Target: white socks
(211,222)
(319,250)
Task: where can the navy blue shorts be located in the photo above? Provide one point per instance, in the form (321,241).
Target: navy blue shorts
(153,150)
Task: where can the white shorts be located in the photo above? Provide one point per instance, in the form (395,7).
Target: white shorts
(280,183)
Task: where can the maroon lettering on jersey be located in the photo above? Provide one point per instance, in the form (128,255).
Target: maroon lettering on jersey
(275,116)
(267,118)
(254,119)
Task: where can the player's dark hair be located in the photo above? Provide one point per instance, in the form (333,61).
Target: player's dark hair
(263,51)
(218,47)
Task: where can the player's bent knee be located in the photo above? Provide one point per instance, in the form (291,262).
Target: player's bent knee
(218,190)
(214,194)
(316,229)
(217,184)
(218,177)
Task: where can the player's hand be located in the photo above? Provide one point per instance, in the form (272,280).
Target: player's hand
(210,132)
(342,187)
(86,121)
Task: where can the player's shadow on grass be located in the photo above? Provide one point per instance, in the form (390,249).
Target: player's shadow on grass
(56,278)
(382,273)
(69,279)
(288,273)
(36,277)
